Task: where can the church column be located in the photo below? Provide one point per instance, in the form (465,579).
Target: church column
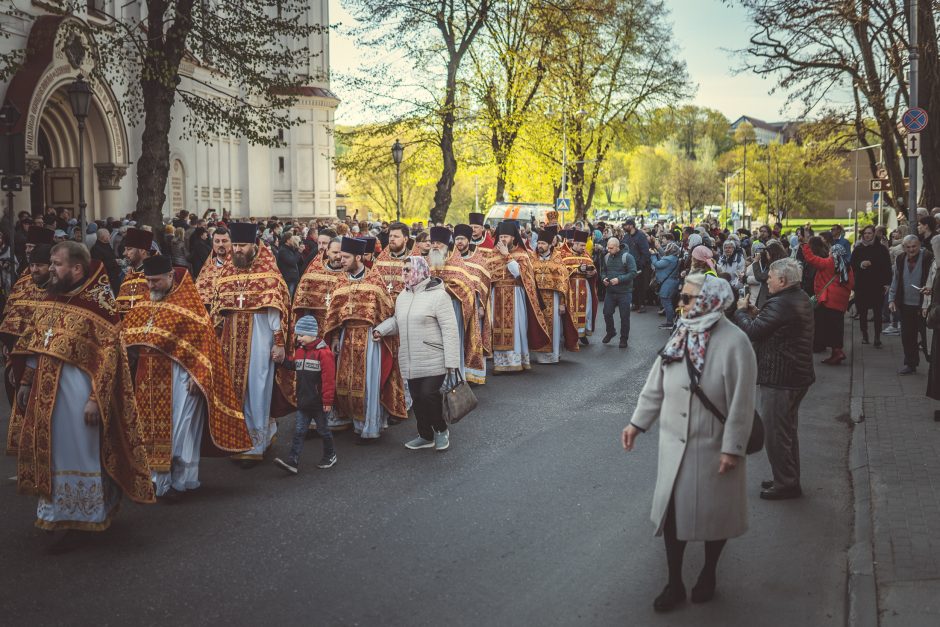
(109,186)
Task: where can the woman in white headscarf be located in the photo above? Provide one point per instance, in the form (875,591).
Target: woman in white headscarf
(701,483)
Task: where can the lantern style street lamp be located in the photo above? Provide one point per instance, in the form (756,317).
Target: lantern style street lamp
(398,152)
(80,98)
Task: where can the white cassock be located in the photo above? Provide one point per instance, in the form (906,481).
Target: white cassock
(518,357)
(257,405)
(589,312)
(82,492)
(554,356)
(189,414)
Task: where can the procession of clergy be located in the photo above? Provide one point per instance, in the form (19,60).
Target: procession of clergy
(123,394)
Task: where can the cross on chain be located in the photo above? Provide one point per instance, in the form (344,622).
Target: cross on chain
(48,335)
(329,299)
(150,325)
(389,287)
(241,301)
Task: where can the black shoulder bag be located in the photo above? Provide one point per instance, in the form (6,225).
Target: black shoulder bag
(754,443)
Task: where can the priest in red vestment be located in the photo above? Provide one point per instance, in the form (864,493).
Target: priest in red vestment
(75,429)
(137,243)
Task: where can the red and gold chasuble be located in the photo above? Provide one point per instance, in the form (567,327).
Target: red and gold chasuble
(581,288)
(134,291)
(551,277)
(504,302)
(19,310)
(178,329)
(237,296)
(81,329)
(205,282)
(389,268)
(479,261)
(460,283)
(356,306)
(315,291)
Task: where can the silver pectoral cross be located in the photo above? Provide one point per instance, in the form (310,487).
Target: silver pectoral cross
(48,335)
(329,299)
(241,301)
(150,325)
(389,287)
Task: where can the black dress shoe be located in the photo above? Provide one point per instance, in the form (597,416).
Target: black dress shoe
(669,598)
(864,340)
(766,485)
(248,464)
(704,589)
(608,338)
(361,441)
(780,494)
(584,341)
(877,344)
(623,343)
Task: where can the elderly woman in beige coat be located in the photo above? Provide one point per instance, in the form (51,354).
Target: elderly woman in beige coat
(429,348)
(701,482)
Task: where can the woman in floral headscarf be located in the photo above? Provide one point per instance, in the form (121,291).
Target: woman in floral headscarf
(701,483)
(429,348)
(832,287)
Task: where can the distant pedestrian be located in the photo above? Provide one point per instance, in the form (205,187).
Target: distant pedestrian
(872,266)
(666,266)
(832,288)
(289,261)
(782,333)
(617,274)
(637,244)
(906,297)
(701,488)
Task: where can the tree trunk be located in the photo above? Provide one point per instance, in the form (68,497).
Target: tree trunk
(500,156)
(930,101)
(153,167)
(445,185)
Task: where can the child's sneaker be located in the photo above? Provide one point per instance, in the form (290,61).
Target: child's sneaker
(327,461)
(289,466)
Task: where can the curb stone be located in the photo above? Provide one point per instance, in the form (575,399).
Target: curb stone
(861,589)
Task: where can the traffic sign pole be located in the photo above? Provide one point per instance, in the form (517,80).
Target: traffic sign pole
(914,57)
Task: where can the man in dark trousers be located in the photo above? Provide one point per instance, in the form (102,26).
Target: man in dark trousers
(782,333)
(103,252)
(907,297)
(638,245)
(619,270)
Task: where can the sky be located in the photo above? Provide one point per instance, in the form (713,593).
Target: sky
(705,33)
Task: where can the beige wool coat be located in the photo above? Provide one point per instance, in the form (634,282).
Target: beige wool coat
(708,506)
(426,322)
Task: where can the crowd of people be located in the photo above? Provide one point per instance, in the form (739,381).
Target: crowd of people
(130,356)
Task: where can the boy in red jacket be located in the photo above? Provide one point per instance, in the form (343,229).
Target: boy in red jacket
(316,384)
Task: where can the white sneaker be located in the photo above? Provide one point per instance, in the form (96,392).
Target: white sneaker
(891,330)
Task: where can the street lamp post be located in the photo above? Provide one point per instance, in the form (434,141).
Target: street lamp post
(9,116)
(398,153)
(80,98)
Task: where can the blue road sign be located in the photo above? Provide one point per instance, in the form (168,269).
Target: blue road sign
(563,204)
(914,120)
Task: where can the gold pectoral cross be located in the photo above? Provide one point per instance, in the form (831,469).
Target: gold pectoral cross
(48,335)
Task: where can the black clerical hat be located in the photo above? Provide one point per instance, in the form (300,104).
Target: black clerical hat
(507,227)
(579,236)
(41,254)
(157,265)
(463,230)
(39,235)
(138,238)
(353,246)
(548,234)
(440,234)
(243,232)
(370,244)
(476,218)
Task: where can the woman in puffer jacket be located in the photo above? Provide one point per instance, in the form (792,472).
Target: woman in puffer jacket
(428,350)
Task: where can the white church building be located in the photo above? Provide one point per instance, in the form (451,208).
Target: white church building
(296,180)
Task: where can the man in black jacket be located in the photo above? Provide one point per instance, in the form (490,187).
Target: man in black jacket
(103,252)
(782,333)
(871,263)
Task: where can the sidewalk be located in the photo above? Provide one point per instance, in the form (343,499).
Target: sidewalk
(895,465)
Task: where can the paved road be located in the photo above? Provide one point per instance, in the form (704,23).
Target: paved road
(534,517)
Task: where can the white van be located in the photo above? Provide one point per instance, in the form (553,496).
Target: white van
(531,212)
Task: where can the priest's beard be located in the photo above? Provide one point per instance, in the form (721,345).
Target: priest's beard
(157,295)
(243,260)
(437,259)
(39,279)
(335,264)
(60,286)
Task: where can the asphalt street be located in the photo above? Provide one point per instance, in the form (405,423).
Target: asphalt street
(535,516)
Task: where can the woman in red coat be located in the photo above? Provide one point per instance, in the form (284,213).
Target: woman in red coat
(833,288)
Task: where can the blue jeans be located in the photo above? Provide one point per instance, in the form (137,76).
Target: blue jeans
(611,302)
(667,292)
(300,434)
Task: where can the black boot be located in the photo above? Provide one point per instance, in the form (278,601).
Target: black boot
(704,589)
